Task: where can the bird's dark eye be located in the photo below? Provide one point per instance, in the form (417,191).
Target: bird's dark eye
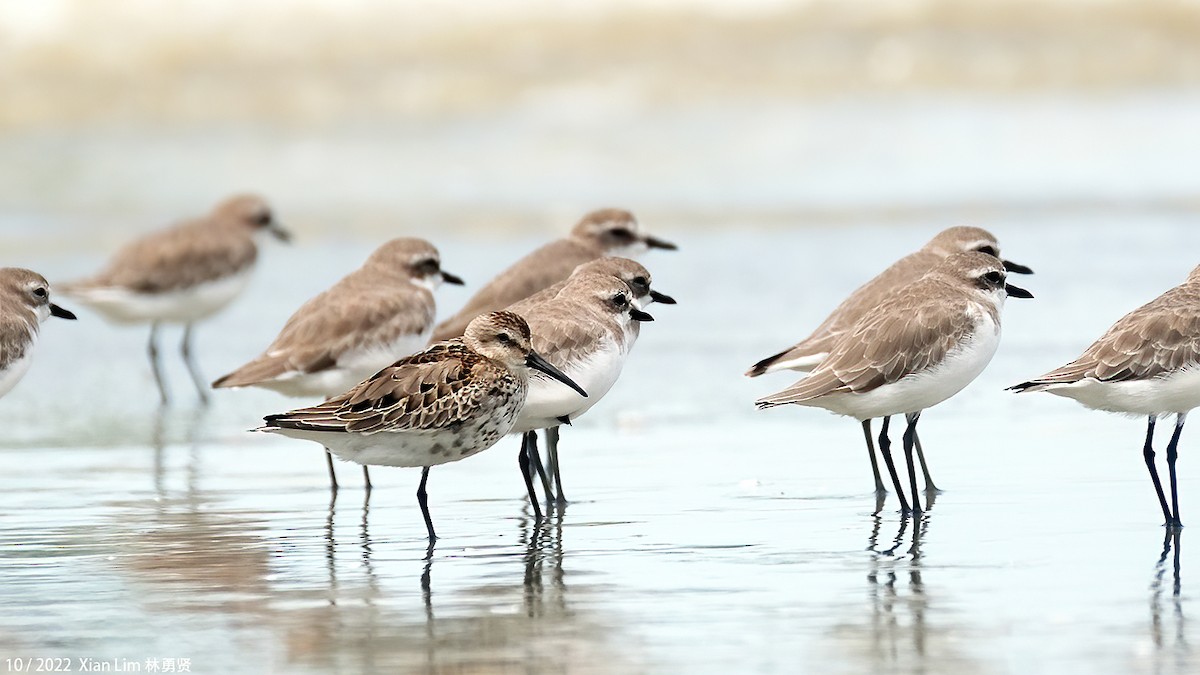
(263,218)
(641,281)
(620,300)
(621,234)
(40,293)
(427,267)
(993,279)
(989,250)
(504,338)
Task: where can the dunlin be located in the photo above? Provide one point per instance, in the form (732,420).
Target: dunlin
(377,314)
(586,330)
(806,354)
(1147,364)
(182,274)
(607,232)
(922,344)
(24,305)
(446,403)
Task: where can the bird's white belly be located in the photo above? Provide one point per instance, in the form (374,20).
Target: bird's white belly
(1178,392)
(923,390)
(180,306)
(10,376)
(550,399)
(352,367)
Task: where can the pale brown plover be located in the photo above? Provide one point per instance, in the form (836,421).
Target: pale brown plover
(379,313)
(586,330)
(638,279)
(606,232)
(24,305)
(1147,364)
(806,354)
(182,274)
(922,344)
(446,403)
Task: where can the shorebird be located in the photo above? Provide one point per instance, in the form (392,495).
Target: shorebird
(607,232)
(24,305)
(379,313)
(1147,363)
(922,344)
(182,274)
(586,330)
(446,403)
(638,278)
(806,354)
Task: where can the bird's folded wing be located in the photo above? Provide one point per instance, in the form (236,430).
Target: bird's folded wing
(1158,338)
(429,390)
(180,257)
(882,349)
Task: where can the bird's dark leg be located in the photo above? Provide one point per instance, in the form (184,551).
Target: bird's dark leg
(1172,455)
(930,488)
(555,467)
(367,479)
(880,490)
(1148,454)
(423,500)
(910,433)
(535,460)
(885,447)
(333,484)
(155,366)
(523,460)
(185,348)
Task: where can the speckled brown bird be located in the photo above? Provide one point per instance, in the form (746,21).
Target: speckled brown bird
(444,404)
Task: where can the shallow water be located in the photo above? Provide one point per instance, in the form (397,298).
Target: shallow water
(703,535)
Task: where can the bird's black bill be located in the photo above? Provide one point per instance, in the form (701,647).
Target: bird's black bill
(280,233)
(535,361)
(452,279)
(639,315)
(662,297)
(1017,268)
(61,313)
(655,242)
(1016,292)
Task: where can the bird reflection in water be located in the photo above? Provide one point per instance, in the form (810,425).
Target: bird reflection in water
(161,433)
(188,553)
(520,618)
(1168,625)
(899,634)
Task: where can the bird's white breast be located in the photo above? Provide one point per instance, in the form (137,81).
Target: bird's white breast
(550,399)
(12,374)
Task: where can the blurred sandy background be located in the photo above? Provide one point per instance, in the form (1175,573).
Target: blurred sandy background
(373,116)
